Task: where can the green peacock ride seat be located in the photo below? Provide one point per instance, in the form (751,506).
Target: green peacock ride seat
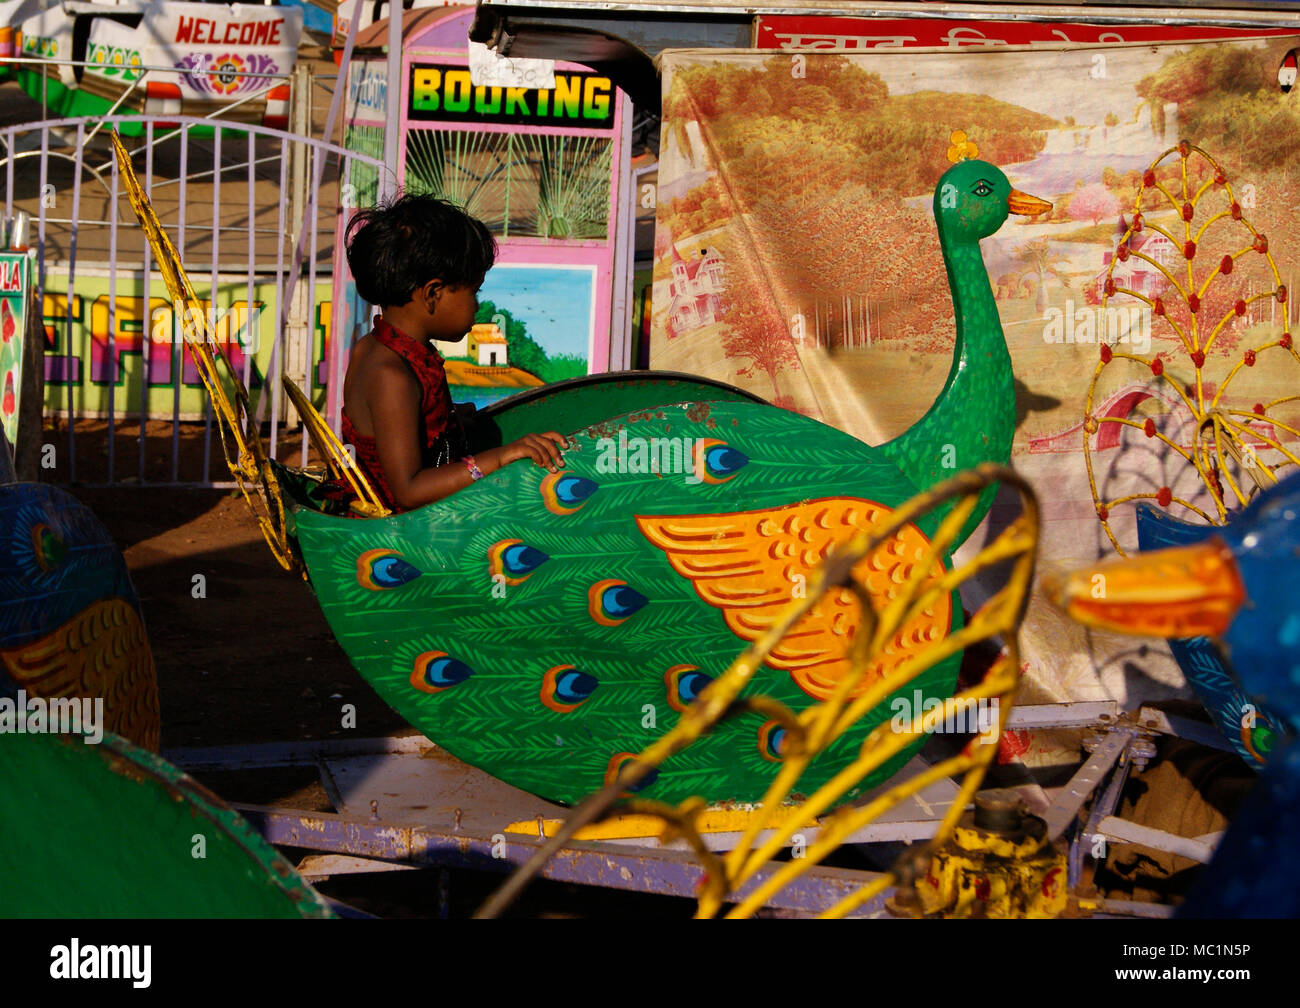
(547,626)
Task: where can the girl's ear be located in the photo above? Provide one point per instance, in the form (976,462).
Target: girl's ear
(431,292)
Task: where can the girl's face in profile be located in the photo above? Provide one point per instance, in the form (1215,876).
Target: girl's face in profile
(453,309)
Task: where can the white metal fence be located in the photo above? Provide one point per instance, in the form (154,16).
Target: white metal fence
(256,234)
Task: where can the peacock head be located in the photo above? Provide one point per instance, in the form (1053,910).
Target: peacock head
(55,558)
(973,198)
(1236,586)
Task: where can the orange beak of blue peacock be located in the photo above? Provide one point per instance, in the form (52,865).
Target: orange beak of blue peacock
(1186,591)
(1026,205)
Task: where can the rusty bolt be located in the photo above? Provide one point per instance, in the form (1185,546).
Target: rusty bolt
(1141,751)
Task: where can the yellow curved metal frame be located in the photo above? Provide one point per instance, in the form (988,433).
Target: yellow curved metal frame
(810,731)
(338,459)
(241,442)
(1218,429)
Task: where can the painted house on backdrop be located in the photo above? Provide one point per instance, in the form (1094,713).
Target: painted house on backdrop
(484,345)
(695,290)
(1133,272)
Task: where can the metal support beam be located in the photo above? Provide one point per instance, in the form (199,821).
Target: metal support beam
(258,756)
(1198,849)
(1185,728)
(661,871)
(1086,779)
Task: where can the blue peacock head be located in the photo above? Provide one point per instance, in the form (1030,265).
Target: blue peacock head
(973,198)
(1236,587)
(56,558)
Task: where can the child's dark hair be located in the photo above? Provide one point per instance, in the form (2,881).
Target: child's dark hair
(396,247)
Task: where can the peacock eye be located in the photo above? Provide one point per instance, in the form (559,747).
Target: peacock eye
(982,188)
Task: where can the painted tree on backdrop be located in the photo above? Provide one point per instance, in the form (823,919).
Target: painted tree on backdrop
(757,330)
(1093,202)
(813,166)
(1040,261)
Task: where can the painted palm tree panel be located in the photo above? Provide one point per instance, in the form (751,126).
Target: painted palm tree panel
(520,185)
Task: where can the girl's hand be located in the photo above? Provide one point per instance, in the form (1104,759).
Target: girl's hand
(544,449)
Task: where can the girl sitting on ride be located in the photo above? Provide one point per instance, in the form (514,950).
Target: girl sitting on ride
(421,260)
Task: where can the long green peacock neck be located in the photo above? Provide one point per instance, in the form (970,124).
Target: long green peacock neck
(973,418)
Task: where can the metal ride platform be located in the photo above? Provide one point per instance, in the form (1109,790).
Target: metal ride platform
(402,803)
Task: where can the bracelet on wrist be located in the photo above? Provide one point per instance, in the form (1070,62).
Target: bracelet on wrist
(471,463)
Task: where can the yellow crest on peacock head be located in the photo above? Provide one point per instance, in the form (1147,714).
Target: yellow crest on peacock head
(974,197)
(960,148)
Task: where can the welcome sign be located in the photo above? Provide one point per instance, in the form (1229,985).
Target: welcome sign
(445,93)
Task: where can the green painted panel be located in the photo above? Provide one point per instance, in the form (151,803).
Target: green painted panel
(110,830)
(572,405)
(574,652)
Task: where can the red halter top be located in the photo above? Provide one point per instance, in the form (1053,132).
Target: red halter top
(442,439)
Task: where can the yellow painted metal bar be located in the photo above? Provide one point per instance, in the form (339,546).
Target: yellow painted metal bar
(241,444)
(340,461)
(240,440)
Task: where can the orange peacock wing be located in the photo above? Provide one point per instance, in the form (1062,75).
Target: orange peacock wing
(749,564)
(100,652)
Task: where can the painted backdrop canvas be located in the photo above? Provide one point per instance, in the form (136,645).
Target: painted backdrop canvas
(796,256)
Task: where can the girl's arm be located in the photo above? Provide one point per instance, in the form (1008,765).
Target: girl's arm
(395,415)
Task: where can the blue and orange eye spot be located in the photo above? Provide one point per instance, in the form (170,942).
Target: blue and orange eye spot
(1258,739)
(384,569)
(564,494)
(565,689)
(716,461)
(616,764)
(436,671)
(50,550)
(612,602)
(771,741)
(513,560)
(685,683)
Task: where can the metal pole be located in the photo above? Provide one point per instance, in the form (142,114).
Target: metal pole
(624,236)
(392,131)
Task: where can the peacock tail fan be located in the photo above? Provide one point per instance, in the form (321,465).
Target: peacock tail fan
(1189,257)
(1200,419)
(543,626)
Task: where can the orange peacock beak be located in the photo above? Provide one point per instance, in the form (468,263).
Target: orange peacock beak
(1028,206)
(1186,591)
